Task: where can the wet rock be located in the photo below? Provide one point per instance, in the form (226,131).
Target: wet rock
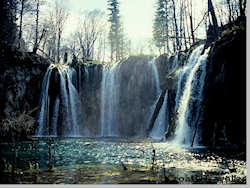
(21,76)
(224,122)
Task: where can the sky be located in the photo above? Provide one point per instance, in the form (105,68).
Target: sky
(136,15)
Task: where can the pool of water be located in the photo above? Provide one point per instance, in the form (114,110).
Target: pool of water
(110,160)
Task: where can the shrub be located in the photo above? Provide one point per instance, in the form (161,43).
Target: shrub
(17,127)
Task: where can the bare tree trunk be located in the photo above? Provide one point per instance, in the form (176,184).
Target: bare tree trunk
(184,35)
(187,28)
(167,30)
(191,20)
(181,24)
(214,19)
(37,25)
(58,45)
(104,49)
(112,52)
(117,49)
(230,11)
(45,41)
(176,26)
(21,23)
(242,6)
(156,111)
(192,29)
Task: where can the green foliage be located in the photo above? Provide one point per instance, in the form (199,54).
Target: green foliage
(234,28)
(96,62)
(143,55)
(161,25)
(192,48)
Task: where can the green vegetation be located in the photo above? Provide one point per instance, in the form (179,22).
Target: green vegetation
(237,26)
(142,55)
(231,30)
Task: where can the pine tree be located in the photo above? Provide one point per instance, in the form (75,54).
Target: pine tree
(116,31)
(161,26)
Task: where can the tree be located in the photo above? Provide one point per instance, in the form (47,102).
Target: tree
(48,41)
(190,13)
(90,29)
(21,20)
(176,26)
(37,26)
(116,32)
(242,5)
(8,27)
(24,7)
(214,18)
(162,26)
(160,21)
(230,11)
(61,16)
(169,26)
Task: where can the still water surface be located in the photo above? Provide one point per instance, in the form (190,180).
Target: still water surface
(109,160)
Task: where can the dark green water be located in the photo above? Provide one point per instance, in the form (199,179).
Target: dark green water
(92,161)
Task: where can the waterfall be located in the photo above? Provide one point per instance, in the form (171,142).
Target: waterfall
(110,102)
(184,72)
(161,123)
(55,117)
(121,100)
(86,74)
(190,93)
(155,78)
(44,109)
(123,111)
(175,62)
(60,117)
(74,102)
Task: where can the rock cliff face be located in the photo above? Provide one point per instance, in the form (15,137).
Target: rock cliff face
(224,100)
(225,89)
(167,68)
(21,76)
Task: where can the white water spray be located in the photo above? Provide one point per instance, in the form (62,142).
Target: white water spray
(113,96)
(196,61)
(161,122)
(67,102)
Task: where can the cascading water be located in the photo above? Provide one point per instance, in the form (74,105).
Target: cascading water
(161,123)
(155,78)
(190,94)
(110,102)
(175,62)
(44,108)
(129,92)
(55,117)
(123,111)
(60,108)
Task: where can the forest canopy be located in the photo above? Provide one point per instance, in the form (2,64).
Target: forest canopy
(41,26)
